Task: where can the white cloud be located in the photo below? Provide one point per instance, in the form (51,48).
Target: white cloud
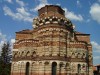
(96,46)
(39,6)
(2,37)
(96,57)
(21,3)
(22,11)
(88,20)
(9,1)
(12,41)
(72,15)
(58,4)
(78,3)
(95,12)
(21,14)
(42,3)
(96,52)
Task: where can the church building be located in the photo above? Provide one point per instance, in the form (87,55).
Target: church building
(52,47)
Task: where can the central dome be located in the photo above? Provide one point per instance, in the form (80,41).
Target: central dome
(52,15)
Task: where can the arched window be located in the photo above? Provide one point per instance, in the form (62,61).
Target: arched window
(73,55)
(34,54)
(79,68)
(83,67)
(83,55)
(78,55)
(67,65)
(18,54)
(15,55)
(22,54)
(54,68)
(33,67)
(27,68)
(28,54)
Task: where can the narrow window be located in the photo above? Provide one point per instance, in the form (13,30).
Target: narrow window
(79,68)
(54,68)
(27,68)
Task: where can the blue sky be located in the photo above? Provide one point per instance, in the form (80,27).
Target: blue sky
(16,15)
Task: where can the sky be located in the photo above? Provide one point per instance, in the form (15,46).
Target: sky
(17,15)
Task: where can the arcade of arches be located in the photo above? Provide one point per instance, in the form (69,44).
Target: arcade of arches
(43,68)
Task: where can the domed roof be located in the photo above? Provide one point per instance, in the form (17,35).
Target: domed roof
(52,14)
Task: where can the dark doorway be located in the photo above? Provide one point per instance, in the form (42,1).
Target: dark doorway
(54,68)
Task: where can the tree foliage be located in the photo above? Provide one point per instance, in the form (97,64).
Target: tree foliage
(5,59)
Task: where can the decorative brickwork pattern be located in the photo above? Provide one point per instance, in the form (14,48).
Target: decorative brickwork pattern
(53,47)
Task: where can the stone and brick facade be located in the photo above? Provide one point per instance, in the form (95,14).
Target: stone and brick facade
(53,47)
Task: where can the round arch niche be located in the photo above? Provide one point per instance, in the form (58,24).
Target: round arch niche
(27,68)
(54,68)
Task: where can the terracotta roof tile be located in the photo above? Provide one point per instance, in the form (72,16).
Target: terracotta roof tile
(80,33)
(25,31)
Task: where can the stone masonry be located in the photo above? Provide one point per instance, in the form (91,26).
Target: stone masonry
(52,47)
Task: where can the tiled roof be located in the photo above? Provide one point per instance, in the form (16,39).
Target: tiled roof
(25,31)
(79,33)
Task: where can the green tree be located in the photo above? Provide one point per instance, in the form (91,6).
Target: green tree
(5,59)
